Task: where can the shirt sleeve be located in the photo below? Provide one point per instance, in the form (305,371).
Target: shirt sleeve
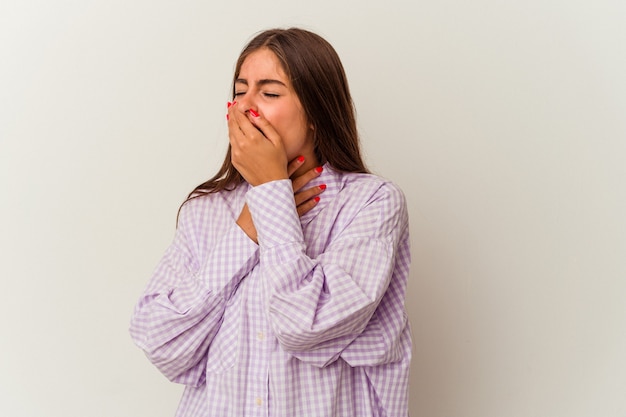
(386,338)
(319,307)
(181,309)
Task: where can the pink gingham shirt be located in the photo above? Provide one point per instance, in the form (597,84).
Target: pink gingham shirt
(309,322)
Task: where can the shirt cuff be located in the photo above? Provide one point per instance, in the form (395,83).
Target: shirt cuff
(232,258)
(275,216)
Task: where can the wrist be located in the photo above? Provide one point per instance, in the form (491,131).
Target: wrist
(269,176)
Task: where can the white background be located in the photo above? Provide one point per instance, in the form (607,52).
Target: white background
(503,121)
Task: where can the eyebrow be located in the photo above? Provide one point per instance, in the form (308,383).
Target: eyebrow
(260,82)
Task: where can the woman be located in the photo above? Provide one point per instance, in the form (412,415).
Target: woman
(283,291)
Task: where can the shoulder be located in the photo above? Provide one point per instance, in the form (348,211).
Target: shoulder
(373,201)
(373,188)
(368,205)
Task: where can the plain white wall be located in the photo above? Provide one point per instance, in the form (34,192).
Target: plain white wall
(504,122)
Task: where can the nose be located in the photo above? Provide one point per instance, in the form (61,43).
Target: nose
(246,102)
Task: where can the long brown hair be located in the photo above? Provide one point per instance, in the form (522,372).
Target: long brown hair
(319,80)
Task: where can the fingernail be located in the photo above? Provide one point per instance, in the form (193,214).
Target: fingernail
(252,112)
(319,169)
(229,104)
(301,159)
(234,102)
(227,117)
(323,187)
(317,199)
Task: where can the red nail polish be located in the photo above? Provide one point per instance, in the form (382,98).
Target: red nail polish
(229,104)
(227,117)
(301,159)
(319,169)
(317,199)
(253,113)
(323,187)
(234,102)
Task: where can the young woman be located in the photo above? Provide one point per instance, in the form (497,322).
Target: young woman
(283,291)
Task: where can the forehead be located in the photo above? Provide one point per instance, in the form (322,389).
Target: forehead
(262,64)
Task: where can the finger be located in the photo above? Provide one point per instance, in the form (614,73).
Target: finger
(241,132)
(234,132)
(253,125)
(229,121)
(303,179)
(238,120)
(308,194)
(261,124)
(294,165)
(307,206)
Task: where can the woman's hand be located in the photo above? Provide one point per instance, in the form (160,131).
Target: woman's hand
(257,151)
(308,198)
(305,199)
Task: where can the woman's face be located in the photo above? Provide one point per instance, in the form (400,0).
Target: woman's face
(263,86)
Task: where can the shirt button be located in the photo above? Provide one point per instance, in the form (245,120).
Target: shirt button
(258,401)
(260,336)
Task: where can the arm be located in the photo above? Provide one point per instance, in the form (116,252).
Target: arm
(386,339)
(318,307)
(181,309)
